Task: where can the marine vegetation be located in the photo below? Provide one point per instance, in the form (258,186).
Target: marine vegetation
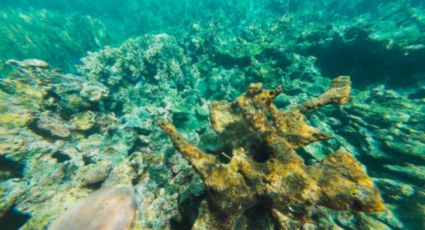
(282,180)
(37,33)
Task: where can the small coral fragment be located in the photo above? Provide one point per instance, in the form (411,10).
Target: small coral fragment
(283,180)
(338,94)
(83,121)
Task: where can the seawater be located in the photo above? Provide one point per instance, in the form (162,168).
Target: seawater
(84,85)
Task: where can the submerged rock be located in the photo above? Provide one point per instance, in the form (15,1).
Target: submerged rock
(51,125)
(83,121)
(280,180)
(93,174)
(106,209)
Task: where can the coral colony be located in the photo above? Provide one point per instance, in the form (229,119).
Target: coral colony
(282,180)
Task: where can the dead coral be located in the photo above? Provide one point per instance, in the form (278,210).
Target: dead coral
(283,180)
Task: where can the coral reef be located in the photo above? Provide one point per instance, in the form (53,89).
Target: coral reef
(282,180)
(68,133)
(153,58)
(64,136)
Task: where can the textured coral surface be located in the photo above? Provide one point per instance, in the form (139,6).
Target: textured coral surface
(283,180)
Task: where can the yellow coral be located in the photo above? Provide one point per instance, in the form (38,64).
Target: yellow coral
(338,181)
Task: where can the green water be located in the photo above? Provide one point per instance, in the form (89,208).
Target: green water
(89,121)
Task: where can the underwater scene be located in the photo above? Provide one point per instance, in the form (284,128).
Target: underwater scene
(212,114)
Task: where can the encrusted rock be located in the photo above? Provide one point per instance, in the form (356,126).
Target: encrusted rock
(83,121)
(281,180)
(94,173)
(51,125)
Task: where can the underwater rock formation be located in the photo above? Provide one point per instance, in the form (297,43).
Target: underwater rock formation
(65,136)
(282,180)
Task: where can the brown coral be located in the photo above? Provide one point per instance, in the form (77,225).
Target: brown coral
(282,180)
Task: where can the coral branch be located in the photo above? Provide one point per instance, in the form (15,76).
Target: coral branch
(196,157)
(338,94)
(229,195)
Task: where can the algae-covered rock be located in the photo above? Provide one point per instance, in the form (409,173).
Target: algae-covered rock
(93,174)
(281,178)
(6,201)
(51,125)
(83,121)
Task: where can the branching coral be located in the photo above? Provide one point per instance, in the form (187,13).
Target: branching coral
(283,179)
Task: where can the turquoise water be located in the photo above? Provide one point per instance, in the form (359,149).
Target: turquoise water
(85,85)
